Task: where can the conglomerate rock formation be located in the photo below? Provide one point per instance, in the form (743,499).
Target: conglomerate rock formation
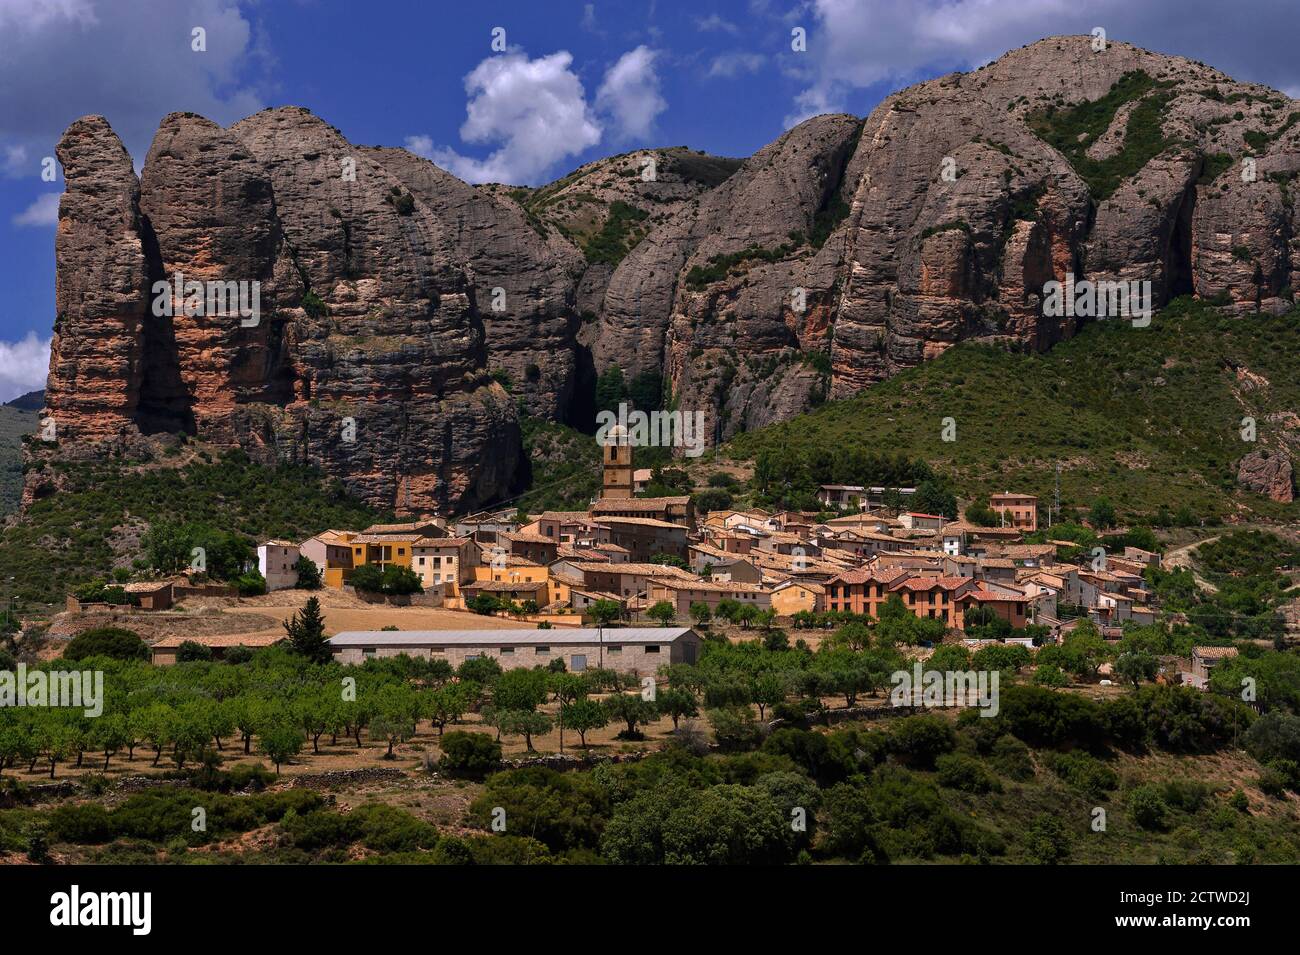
(408,319)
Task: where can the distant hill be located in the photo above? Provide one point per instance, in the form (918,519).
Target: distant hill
(15,421)
(32,401)
(1148,418)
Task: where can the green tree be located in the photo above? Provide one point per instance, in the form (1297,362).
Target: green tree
(605,612)
(1136,667)
(610,389)
(400,581)
(663,611)
(307,633)
(582,716)
(278,741)
(112,642)
(1102,514)
(473,753)
(521,689)
(631,709)
(677,703)
(701,613)
(525,723)
(308,573)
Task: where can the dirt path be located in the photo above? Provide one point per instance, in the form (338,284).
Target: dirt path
(1182,557)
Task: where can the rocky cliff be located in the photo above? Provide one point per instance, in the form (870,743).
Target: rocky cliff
(847,251)
(429,314)
(367,351)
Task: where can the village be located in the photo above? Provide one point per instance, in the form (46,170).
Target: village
(618,584)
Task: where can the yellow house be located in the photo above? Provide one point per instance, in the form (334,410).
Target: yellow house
(517,570)
(383,550)
(791,596)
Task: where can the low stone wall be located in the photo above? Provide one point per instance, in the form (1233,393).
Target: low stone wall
(430,598)
(565,761)
(349,777)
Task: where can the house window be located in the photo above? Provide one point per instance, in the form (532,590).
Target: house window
(421,562)
(652,648)
(615,649)
(368,652)
(401,551)
(507,651)
(542,649)
(578,662)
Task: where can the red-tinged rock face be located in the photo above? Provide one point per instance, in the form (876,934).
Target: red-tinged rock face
(96,358)
(352,340)
(1267,473)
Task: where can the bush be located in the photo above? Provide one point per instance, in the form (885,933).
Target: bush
(847,823)
(191,652)
(920,740)
(1047,842)
(1001,656)
(966,773)
(1275,735)
(84,824)
(386,828)
(1043,717)
(112,642)
(1012,759)
(319,830)
(1082,772)
(238,654)
(470,753)
(735,728)
(1148,807)
(251,584)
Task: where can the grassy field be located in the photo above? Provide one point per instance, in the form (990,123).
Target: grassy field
(1149,418)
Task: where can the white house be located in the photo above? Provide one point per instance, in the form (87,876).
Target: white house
(276,561)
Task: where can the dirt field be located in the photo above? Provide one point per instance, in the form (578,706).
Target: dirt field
(220,616)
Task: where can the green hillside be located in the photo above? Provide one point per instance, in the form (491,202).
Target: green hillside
(94,523)
(1148,418)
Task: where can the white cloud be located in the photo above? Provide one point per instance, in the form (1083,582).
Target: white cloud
(420,145)
(715,22)
(15,158)
(27,15)
(536,113)
(41,213)
(24,365)
(734,64)
(536,109)
(131,62)
(630,93)
(854,44)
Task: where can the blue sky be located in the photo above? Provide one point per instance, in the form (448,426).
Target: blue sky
(575,81)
